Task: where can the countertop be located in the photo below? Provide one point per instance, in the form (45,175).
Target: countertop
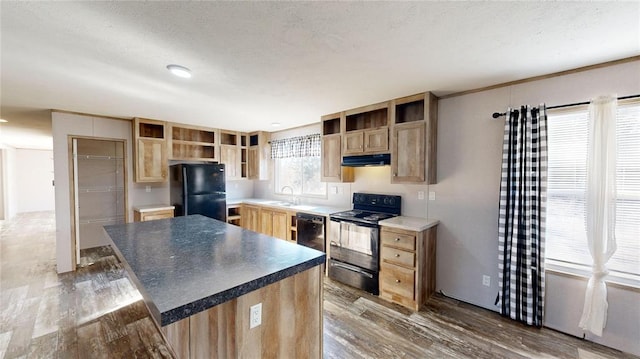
(416,224)
(185,265)
(283,205)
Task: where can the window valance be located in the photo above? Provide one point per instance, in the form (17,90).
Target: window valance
(301,146)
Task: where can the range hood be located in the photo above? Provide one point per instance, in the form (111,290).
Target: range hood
(366,160)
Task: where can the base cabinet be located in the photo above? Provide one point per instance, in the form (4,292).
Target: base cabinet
(291,323)
(267,220)
(148,213)
(273,223)
(407,266)
(250,217)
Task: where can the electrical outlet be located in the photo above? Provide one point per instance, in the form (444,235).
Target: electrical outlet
(420,194)
(432,196)
(147,189)
(255,315)
(486,280)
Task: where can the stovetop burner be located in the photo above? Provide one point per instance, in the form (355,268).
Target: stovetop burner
(366,215)
(370,208)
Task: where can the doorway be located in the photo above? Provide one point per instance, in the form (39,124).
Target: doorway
(99,190)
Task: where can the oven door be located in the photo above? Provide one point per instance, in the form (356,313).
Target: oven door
(354,276)
(355,244)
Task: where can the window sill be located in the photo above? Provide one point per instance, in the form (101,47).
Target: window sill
(615,279)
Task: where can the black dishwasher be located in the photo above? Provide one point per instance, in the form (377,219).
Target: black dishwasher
(310,229)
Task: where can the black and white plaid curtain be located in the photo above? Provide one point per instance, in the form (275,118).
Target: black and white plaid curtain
(523,196)
(301,146)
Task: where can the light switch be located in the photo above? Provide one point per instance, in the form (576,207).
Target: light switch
(432,196)
(420,194)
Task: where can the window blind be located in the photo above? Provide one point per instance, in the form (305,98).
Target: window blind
(566,215)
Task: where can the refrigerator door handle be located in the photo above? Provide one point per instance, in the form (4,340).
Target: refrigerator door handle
(185,204)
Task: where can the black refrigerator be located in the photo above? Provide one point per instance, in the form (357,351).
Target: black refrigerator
(199,189)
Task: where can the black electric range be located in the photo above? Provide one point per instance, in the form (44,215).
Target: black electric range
(355,241)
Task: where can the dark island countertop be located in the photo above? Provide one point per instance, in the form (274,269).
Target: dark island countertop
(185,265)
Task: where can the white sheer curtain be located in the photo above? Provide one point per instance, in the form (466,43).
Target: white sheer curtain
(601,208)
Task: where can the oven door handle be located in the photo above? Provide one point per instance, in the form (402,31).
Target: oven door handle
(352,268)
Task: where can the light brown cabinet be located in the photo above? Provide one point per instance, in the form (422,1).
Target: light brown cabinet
(150,150)
(250,217)
(413,139)
(193,143)
(407,266)
(150,213)
(332,170)
(234,214)
(408,148)
(405,128)
(366,130)
(270,221)
(230,154)
(353,143)
(292,224)
(274,223)
(258,156)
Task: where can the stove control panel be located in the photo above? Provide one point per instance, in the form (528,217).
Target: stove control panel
(377,202)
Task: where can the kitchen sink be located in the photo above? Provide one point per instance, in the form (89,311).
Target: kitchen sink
(301,207)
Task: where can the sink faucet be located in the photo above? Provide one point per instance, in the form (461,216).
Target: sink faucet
(293,198)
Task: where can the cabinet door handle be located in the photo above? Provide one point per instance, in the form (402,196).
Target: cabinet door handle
(397,280)
(397,255)
(397,239)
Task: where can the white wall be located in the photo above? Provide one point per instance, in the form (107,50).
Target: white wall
(34,188)
(65,125)
(469,159)
(239,189)
(8,169)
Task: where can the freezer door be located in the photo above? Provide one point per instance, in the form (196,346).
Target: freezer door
(203,178)
(211,205)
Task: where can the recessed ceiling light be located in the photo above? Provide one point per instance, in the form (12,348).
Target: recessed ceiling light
(3,120)
(275,124)
(179,71)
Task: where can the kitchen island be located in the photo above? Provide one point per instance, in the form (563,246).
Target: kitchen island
(200,278)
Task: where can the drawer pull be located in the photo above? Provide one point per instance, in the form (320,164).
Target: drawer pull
(397,255)
(397,280)
(397,239)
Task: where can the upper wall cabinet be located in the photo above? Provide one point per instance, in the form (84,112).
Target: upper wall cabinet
(258,156)
(366,130)
(413,140)
(150,150)
(193,143)
(406,128)
(332,171)
(230,154)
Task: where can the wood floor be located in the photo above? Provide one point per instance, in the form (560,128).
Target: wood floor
(97,313)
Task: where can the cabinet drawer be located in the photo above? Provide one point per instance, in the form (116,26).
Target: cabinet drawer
(399,240)
(397,256)
(150,216)
(397,280)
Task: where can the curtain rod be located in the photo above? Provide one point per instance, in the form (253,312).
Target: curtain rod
(499,114)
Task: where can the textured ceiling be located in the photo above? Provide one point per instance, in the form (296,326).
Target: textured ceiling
(255,63)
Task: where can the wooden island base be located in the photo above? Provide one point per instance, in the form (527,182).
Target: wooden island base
(291,323)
